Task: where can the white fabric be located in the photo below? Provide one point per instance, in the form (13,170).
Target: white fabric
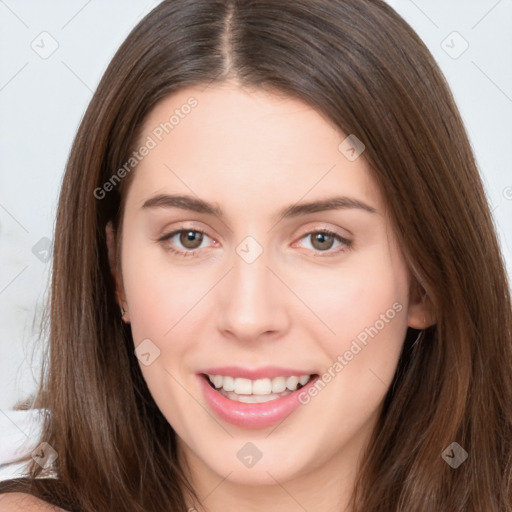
(19,436)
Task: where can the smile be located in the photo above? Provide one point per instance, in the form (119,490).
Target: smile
(257,402)
(259,390)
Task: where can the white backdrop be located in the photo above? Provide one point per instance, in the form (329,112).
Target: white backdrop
(52,55)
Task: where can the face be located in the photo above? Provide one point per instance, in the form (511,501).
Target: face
(237,280)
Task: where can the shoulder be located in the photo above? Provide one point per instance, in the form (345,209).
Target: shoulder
(17,501)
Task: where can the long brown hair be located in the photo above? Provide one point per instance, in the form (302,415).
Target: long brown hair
(358,63)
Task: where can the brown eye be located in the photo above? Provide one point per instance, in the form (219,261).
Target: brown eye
(326,241)
(191,239)
(184,242)
(322,241)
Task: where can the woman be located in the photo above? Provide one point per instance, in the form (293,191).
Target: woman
(276,280)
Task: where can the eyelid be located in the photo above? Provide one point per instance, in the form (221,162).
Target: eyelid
(167,236)
(346,243)
(312,227)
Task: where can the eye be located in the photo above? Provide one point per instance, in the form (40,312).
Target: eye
(323,240)
(189,239)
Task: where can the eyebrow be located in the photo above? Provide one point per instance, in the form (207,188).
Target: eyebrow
(195,204)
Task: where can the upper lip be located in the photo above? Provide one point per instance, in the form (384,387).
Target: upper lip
(264,372)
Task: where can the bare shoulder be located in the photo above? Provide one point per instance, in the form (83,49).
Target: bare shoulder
(14,501)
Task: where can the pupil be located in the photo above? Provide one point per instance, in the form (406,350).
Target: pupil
(321,237)
(191,236)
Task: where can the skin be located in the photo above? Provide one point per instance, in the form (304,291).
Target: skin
(300,304)
(17,501)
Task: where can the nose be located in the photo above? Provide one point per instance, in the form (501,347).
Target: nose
(253,303)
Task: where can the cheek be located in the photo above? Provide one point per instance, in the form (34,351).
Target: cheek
(365,309)
(161,300)
(365,291)
(158,294)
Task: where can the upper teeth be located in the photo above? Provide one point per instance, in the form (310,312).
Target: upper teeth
(243,386)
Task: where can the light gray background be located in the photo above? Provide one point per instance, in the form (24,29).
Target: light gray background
(43,97)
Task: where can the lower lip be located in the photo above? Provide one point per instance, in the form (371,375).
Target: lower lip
(252,415)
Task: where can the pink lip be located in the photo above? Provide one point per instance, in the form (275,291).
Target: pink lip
(267,372)
(251,415)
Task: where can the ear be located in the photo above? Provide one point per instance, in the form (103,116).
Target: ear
(420,314)
(112,260)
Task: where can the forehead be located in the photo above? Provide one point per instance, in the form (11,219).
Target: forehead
(231,144)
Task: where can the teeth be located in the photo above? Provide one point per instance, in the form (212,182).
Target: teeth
(228,383)
(259,387)
(253,399)
(262,387)
(292,382)
(279,384)
(304,380)
(216,380)
(242,386)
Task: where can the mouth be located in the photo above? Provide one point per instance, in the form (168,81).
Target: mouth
(257,391)
(254,402)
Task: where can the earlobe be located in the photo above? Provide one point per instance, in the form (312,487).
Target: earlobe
(112,260)
(420,314)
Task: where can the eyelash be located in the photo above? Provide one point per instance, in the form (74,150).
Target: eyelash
(346,244)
